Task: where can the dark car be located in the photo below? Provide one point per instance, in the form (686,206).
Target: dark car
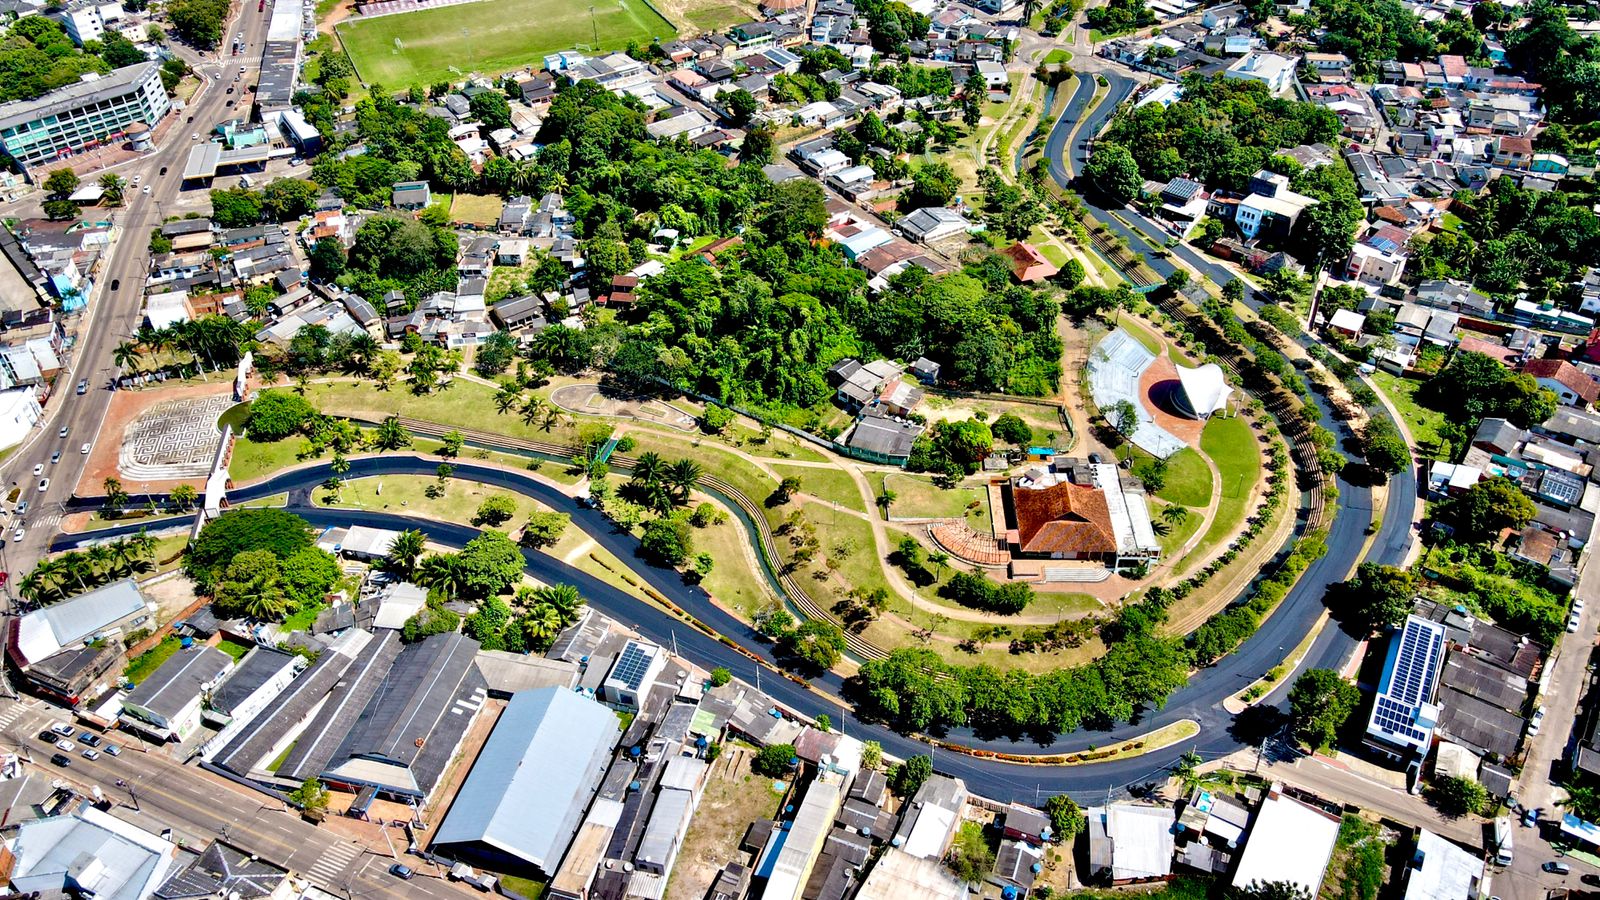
(89,739)
(1094,458)
(164,168)
(48,736)
(401,871)
(1590,878)
(62,760)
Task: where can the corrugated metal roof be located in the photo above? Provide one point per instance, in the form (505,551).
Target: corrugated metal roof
(534,777)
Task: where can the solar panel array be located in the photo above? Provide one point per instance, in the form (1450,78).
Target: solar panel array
(1411,682)
(1417,664)
(631,666)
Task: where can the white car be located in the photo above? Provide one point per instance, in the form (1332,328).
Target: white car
(137,177)
(16,535)
(62,728)
(147,189)
(1572,625)
(84,449)
(38,469)
(44,484)
(1577,606)
(91,754)
(1535,722)
(66,745)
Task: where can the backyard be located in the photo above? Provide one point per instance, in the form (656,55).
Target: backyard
(489,36)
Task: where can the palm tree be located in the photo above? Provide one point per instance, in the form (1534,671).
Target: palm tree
(524,597)
(363,347)
(115,495)
(391,435)
(403,552)
(1174,514)
(42,584)
(101,559)
(75,566)
(339,465)
(541,626)
(649,468)
(552,417)
(533,409)
(185,496)
(683,475)
(440,571)
(126,355)
(564,599)
(506,397)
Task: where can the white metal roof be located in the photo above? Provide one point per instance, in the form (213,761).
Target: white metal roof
(1446,872)
(1141,840)
(1289,841)
(46,630)
(1206,387)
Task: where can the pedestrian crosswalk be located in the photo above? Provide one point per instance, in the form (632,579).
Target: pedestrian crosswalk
(10,711)
(327,869)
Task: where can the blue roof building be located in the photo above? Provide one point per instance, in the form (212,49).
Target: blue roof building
(526,794)
(1404,714)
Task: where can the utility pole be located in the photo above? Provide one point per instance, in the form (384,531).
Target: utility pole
(593,24)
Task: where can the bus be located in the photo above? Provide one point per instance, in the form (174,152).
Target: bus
(1502,841)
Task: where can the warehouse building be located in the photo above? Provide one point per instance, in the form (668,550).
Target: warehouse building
(167,704)
(412,723)
(66,648)
(525,796)
(278,725)
(82,115)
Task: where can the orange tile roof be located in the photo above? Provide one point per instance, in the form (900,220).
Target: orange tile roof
(1063,518)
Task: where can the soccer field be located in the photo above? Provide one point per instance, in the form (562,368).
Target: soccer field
(489,36)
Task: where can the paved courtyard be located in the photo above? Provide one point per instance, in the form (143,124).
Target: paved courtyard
(172,439)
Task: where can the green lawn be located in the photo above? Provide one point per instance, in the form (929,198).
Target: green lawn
(301,621)
(828,485)
(277,763)
(1141,333)
(1058,55)
(1177,534)
(1188,480)
(235,649)
(916,497)
(1423,423)
(1233,448)
(141,666)
(464,404)
(252,460)
(404,494)
(734,581)
(489,36)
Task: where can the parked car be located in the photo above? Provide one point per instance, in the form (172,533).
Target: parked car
(1557,868)
(66,745)
(61,760)
(1535,722)
(91,754)
(89,739)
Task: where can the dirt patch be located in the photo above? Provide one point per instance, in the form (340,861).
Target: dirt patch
(172,596)
(342,10)
(734,797)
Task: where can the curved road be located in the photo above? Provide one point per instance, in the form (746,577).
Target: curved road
(1200,699)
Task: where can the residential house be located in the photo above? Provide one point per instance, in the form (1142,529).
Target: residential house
(1570,384)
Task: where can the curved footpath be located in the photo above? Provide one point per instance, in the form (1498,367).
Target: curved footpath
(1200,700)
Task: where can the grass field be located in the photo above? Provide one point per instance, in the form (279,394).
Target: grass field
(489,36)
(827,485)
(1423,423)
(1188,480)
(475,209)
(1232,446)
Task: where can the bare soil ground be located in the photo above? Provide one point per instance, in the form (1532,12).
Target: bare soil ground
(734,797)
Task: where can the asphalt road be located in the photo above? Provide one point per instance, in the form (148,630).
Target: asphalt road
(115,308)
(1200,700)
(162,794)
